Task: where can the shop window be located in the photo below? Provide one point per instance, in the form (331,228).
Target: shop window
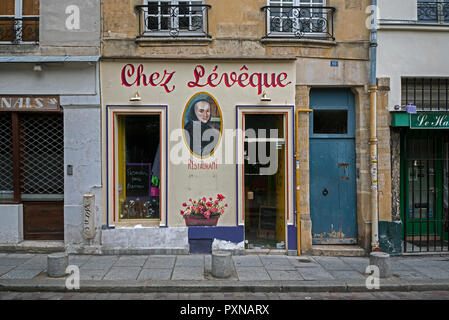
(19,21)
(139,163)
(436,11)
(31,157)
(299,18)
(6,162)
(330,121)
(174,18)
(427,94)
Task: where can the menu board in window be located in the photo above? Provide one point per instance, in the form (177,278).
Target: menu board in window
(138,179)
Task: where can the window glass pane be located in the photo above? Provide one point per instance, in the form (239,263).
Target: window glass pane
(165,23)
(6,164)
(330,121)
(183,7)
(165,8)
(30,29)
(265,122)
(184,23)
(197,23)
(153,8)
(152,23)
(30,7)
(139,167)
(7,7)
(7,31)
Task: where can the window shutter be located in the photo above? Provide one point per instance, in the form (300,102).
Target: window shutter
(7,7)
(30,7)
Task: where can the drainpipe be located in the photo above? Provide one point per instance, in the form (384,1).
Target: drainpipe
(298,202)
(373,130)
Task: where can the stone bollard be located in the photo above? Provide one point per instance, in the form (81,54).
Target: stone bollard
(221,264)
(382,261)
(57,263)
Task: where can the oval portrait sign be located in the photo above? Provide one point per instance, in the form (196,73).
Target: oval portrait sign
(202,125)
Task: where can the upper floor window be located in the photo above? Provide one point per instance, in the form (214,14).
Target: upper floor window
(299,18)
(173,18)
(436,11)
(427,94)
(19,21)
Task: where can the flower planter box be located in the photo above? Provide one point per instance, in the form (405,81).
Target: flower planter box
(201,221)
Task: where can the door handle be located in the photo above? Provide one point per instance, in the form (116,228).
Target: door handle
(325,192)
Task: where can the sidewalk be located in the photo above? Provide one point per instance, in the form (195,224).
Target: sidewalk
(253,273)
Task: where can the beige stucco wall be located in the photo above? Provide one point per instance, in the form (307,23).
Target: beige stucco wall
(397,9)
(182,182)
(411,53)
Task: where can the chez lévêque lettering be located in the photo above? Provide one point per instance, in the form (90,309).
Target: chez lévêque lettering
(135,76)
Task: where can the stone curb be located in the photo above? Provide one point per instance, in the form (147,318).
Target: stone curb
(58,285)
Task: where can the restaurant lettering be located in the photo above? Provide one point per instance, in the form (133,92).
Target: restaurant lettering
(132,76)
(429,120)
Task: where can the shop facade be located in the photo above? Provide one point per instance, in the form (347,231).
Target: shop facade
(254,72)
(414,81)
(170,168)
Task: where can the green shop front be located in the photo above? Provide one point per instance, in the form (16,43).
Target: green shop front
(424,179)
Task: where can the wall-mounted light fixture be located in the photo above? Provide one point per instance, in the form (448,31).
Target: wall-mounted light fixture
(265,97)
(37,68)
(136,97)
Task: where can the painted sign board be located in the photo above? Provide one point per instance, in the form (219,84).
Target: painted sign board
(29,103)
(429,120)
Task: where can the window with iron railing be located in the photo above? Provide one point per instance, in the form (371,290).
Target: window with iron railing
(299,19)
(427,94)
(433,11)
(173,18)
(19,21)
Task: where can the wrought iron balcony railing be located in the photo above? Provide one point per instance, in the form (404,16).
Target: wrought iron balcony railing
(436,12)
(181,20)
(19,30)
(299,22)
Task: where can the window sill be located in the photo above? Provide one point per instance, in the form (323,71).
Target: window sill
(290,41)
(413,25)
(147,223)
(180,40)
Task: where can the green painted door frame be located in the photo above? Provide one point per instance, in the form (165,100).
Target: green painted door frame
(423,173)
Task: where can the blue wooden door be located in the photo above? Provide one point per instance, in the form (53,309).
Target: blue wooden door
(332,167)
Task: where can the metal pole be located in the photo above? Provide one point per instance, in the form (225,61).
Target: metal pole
(373,131)
(298,220)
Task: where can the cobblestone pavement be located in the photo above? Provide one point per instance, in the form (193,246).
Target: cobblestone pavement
(425,295)
(246,267)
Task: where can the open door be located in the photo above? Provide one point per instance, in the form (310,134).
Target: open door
(265,180)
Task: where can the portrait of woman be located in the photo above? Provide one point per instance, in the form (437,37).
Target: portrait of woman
(202,124)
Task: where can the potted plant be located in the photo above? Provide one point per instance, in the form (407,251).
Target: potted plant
(203,212)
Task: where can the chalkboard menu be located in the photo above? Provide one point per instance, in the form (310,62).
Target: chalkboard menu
(138,177)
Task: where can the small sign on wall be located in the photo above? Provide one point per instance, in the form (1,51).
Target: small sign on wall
(89,216)
(29,103)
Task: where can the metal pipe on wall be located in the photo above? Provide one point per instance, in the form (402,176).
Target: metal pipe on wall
(298,220)
(373,129)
